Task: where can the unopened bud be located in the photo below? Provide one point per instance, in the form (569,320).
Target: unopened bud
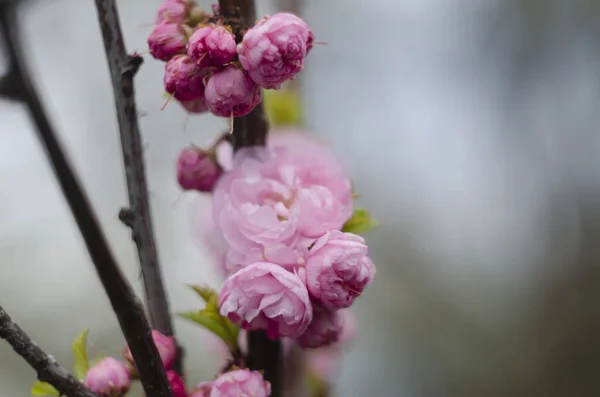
(230,92)
(108,378)
(197,170)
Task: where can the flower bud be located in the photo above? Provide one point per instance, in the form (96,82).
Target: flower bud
(338,269)
(108,378)
(266,296)
(230,91)
(197,170)
(183,78)
(324,329)
(211,46)
(241,382)
(168,40)
(177,384)
(173,11)
(195,106)
(273,50)
(166,346)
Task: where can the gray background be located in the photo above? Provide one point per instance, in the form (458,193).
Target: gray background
(471,130)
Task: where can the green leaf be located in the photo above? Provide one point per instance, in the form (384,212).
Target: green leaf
(212,322)
(283,107)
(80,356)
(360,222)
(204,292)
(43,389)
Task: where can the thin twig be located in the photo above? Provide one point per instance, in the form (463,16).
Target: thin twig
(122,70)
(251,130)
(126,305)
(48,370)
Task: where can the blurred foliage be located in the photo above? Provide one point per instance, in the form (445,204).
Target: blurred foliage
(283,107)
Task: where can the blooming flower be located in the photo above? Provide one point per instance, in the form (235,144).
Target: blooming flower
(211,46)
(273,50)
(338,269)
(197,170)
(166,346)
(240,383)
(276,201)
(177,384)
(168,40)
(230,92)
(108,378)
(183,78)
(266,296)
(324,329)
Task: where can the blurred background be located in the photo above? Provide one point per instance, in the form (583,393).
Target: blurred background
(471,130)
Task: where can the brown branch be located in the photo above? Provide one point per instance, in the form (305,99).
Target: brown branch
(127,307)
(48,370)
(251,130)
(122,70)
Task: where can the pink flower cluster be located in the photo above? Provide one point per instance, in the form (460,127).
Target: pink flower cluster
(206,70)
(280,211)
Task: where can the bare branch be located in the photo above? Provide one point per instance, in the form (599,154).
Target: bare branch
(48,370)
(127,307)
(122,70)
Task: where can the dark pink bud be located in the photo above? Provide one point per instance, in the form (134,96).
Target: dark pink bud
(168,40)
(211,46)
(195,106)
(177,384)
(183,78)
(197,170)
(108,378)
(230,92)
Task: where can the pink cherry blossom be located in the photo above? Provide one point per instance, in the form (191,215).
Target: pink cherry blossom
(167,349)
(338,269)
(108,378)
(273,50)
(239,383)
(184,79)
(168,40)
(197,170)
(276,201)
(211,46)
(266,296)
(325,329)
(230,92)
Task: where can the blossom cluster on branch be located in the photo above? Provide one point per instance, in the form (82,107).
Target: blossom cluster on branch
(207,70)
(283,228)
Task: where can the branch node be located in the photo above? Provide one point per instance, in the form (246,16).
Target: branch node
(10,87)
(126,216)
(134,62)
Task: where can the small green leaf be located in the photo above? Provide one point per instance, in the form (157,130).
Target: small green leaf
(360,222)
(80,356)
(204,292)
(211,322)
(283,107)
(216,324)
(43,389)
